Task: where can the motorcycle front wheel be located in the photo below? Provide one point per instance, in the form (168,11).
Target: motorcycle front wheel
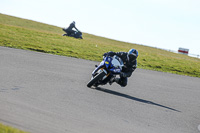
(96,78)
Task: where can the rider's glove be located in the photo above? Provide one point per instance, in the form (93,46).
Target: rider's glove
(105,54)
(109,54)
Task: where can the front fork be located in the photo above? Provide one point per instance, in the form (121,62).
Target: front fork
(99,70)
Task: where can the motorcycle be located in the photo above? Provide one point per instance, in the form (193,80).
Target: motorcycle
(75,34)
(109,68)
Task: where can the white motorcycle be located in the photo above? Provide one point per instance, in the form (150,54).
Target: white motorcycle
(109,67)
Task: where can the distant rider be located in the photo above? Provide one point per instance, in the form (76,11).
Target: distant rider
(130,64)
(70,30)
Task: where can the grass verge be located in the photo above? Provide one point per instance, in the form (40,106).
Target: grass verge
(8,129)
(30,35)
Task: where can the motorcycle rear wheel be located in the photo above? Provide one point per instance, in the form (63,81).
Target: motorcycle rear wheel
(96,78)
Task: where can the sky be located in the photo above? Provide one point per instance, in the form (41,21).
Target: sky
(166,24)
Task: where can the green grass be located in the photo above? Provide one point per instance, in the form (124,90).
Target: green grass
(30,35)
(8,129)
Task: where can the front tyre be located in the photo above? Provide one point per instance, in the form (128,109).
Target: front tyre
(96,78)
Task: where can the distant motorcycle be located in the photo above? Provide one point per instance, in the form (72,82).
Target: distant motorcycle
(75,34)
(107,69)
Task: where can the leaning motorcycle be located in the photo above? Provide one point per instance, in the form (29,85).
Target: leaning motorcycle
(75,34)
(107,69)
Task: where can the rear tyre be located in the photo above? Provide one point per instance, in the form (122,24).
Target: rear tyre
(96,78)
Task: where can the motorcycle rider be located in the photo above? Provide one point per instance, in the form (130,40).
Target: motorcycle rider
(130,64)
(70,30)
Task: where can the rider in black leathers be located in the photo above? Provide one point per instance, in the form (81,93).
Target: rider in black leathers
(70,30)
(130,64)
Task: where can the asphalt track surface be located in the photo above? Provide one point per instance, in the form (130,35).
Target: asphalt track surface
(44,93)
